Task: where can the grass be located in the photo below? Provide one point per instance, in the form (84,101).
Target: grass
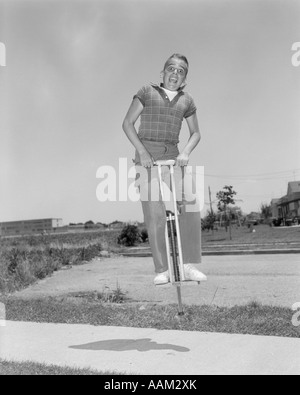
(253,319)
(264,234)
(27,368)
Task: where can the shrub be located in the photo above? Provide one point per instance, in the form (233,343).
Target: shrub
(144,235)
(130,236)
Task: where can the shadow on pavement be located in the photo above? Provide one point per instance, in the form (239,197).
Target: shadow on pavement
(141,345)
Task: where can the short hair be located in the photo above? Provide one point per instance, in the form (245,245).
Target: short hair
(178,56)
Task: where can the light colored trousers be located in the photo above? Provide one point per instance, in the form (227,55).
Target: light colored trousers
(154,208)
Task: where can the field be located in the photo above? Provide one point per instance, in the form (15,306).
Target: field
(263,237)
(262,234)
(24,260)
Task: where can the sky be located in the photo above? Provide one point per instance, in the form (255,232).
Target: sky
(72,68)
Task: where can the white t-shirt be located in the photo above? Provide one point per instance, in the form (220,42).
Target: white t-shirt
(170,94)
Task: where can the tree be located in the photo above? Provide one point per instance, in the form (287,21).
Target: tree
(266,211)
(226,198)
(237,214)
(208,221)
(89,225)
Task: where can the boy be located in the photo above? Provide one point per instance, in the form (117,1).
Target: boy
(162,110)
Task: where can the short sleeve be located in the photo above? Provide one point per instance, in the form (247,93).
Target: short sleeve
(141,95)
(191,108)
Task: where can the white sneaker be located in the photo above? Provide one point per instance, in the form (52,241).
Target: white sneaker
(162,278)
(193,274)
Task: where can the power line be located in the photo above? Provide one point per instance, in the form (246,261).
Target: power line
(261,177)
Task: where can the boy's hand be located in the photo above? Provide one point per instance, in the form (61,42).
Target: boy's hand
(146,159)
(182,160)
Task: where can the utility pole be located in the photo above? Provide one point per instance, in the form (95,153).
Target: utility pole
(209,191)
(211,209)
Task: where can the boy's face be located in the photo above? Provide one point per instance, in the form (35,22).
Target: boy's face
(174,74)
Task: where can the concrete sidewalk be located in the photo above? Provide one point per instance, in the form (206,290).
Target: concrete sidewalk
(269,279)
(149,351)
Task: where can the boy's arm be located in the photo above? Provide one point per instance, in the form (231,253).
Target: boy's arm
(183,157)
(132,116)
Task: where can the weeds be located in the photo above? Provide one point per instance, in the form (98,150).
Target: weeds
(14,257)
(113,296)
(25,260)
(108,295)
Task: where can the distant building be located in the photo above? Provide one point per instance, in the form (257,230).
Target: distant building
(36,226)
(116,225)
(287,208)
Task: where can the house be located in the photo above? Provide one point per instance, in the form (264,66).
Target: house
(287,208)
